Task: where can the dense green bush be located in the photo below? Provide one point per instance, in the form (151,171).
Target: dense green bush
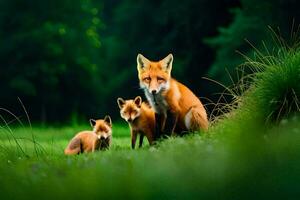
(269,95)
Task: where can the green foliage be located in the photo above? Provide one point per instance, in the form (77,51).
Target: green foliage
(48,52)
(277,88)
(268,95)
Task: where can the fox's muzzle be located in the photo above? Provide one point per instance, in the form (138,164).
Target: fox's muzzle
(153,92)
(103,137)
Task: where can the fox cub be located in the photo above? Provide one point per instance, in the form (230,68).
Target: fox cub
(89,141)
(140,117)
(177,108)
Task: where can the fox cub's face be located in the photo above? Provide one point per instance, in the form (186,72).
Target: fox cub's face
(154,76)
(102,127)
(130,109)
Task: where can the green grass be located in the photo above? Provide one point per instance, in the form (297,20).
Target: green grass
(192,167)
(37,141)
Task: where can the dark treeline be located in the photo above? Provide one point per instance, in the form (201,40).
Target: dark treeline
(72,59)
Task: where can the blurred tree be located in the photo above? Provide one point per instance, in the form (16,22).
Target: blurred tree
(49,56)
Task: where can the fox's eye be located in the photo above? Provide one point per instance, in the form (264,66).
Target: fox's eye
(160,79)
(147,79)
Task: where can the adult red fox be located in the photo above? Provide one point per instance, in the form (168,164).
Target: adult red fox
(89,141)
(140,117)
(177,108)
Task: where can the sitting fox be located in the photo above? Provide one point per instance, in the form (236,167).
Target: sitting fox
(140,118)
(176,107)
(89,141)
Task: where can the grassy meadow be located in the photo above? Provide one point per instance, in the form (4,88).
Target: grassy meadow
(259,164)
(249,152)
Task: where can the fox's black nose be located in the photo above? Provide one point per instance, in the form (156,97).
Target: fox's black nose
(102,138)
(154,91)
(129,120)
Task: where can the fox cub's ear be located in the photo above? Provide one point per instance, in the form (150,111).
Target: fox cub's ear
(138,101)
(92,122)
(107,119)
(121,102)
(167,63)
(141,61)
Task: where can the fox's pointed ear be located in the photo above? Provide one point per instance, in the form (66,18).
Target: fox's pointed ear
(121,102)
(107,119)
(138,101)
(92,122)
(167,63)
(142,61)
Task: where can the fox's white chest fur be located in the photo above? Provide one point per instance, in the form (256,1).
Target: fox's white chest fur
(157,102)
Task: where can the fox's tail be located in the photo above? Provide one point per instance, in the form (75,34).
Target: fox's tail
(196,119)
(74,147)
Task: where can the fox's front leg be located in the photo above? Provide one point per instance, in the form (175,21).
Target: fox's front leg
(159,121)
(141,140)
(171,122)
(150,137)
(133,139)
(93,147)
